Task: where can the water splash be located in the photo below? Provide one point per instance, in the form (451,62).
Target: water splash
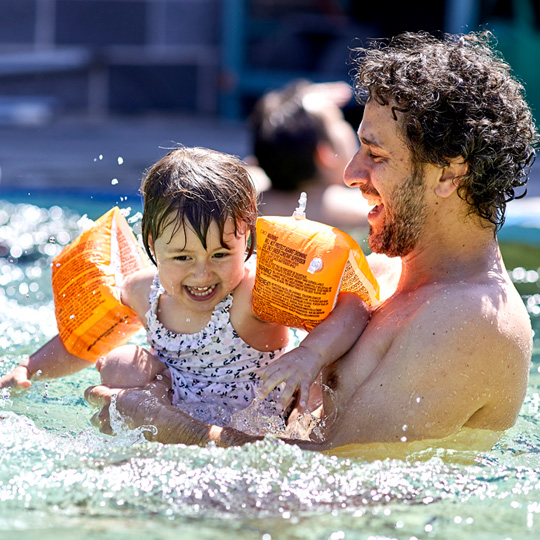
(62,479)
(124,435)
(258,418)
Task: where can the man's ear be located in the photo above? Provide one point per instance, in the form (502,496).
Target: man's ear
(451,176)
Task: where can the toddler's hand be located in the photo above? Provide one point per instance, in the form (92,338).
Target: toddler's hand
(17,379)
(298,369)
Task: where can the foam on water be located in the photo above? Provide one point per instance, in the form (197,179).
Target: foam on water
(61,479)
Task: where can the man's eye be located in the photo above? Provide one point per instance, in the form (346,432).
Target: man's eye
(371,155)
(375,157)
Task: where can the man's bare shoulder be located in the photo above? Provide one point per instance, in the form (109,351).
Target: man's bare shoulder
(475,339)
(490,311)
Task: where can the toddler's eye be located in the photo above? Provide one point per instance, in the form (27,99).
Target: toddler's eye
(220,255)
(181,258)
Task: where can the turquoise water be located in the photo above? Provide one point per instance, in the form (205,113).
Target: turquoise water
(60,479)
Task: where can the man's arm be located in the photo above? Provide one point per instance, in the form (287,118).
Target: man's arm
(453,363)
(151,406)
(423,387)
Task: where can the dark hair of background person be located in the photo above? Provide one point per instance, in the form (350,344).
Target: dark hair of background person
(285,137)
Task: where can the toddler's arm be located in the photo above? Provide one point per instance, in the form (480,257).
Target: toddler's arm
(50,362)
(54,361)
(325,344)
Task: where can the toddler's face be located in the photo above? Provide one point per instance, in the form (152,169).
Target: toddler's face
(196,277)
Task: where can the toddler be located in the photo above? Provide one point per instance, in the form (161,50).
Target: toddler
(198,228)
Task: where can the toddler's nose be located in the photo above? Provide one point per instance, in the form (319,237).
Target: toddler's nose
(201,271)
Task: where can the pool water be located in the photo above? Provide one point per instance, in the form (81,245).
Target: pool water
(60,479)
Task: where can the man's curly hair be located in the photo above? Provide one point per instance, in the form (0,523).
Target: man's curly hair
(457,97)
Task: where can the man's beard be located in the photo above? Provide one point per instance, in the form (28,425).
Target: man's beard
(404,219)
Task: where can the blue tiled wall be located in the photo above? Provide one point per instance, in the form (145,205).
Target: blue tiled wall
(149,53)
(101,22)
(17,21)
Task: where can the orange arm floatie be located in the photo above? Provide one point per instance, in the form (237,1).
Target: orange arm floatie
(86,280)
(302,266)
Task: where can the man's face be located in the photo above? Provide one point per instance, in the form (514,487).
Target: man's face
(383,170)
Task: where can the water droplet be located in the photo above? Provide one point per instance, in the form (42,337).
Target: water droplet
(114,181)
(120,160)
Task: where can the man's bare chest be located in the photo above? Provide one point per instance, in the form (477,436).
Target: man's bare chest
(346,375)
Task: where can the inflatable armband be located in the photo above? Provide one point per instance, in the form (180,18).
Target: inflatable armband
(86,280)
(302,266)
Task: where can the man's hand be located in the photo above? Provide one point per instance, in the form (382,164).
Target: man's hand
(100,397)
(151,405)
(130,402)
(298,369)
(17,379)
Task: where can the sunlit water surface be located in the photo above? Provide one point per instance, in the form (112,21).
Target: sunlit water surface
(60,479)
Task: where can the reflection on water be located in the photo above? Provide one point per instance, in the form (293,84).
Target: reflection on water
(60,479)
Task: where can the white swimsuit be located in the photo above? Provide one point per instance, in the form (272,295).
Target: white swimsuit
(213,366)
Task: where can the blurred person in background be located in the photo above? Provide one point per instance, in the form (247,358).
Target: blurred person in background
(302,142)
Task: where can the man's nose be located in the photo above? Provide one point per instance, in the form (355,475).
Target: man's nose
(355,173)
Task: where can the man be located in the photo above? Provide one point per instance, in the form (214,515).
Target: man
(446,138)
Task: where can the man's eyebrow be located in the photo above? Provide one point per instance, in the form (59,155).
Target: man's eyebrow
(370,142)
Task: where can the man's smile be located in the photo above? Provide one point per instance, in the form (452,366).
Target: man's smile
(373,199)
